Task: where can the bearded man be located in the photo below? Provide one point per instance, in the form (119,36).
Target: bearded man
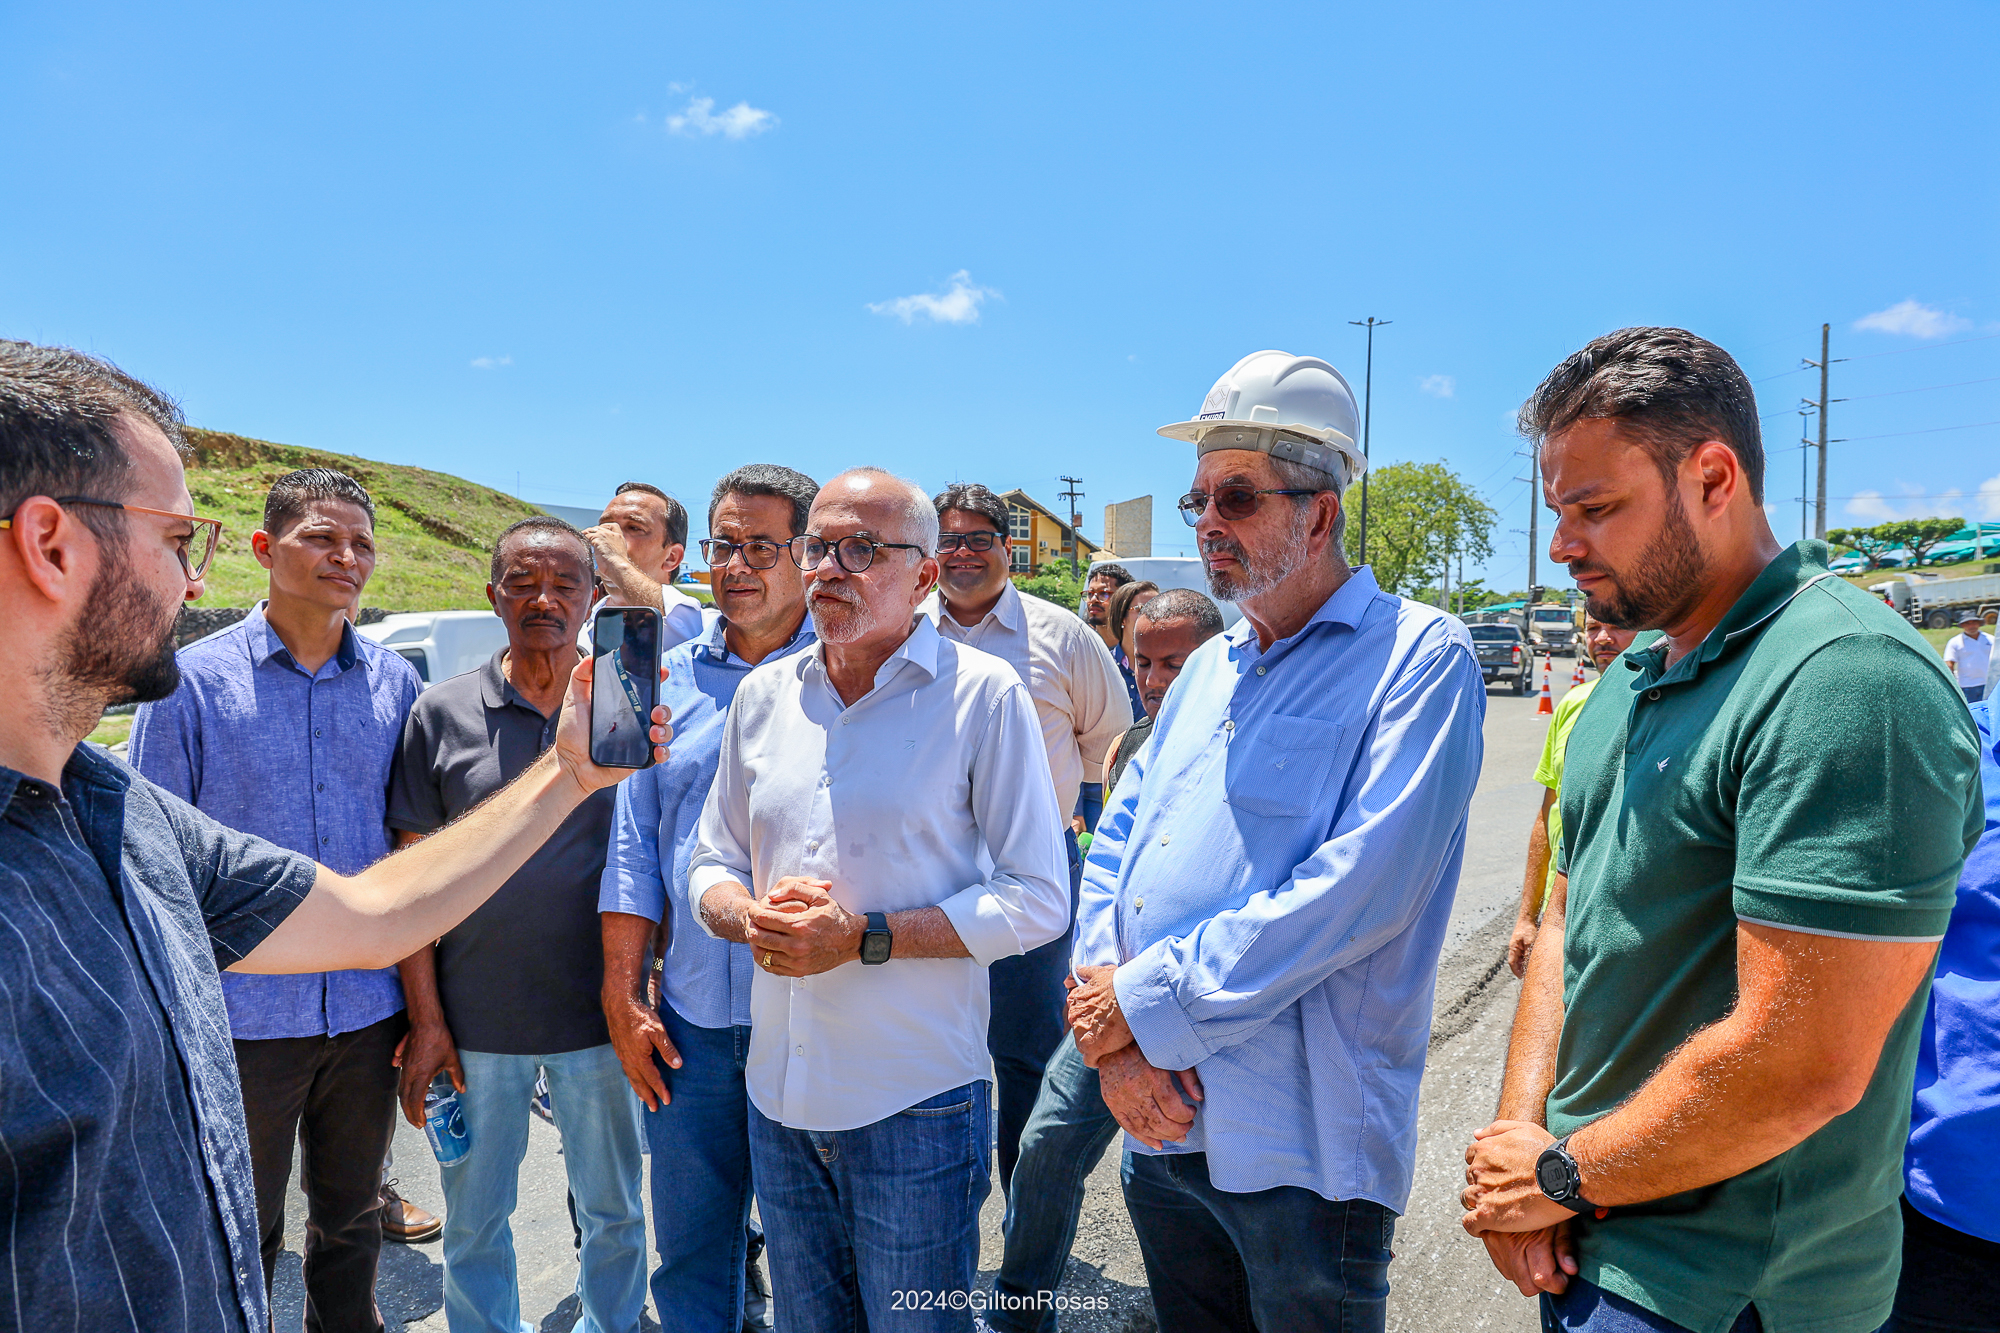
(1267,893)
(1763,826)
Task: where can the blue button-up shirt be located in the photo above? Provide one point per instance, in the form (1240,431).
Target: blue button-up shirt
(1273,881)
(253,741)
(706,980)
(126,1191)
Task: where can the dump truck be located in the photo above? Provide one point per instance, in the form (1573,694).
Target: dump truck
(1935,602)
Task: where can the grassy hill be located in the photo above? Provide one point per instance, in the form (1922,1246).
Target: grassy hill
(433,531)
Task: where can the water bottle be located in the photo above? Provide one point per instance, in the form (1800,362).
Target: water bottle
(444,1122)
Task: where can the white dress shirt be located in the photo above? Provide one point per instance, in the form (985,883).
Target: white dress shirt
(931,790)
(1078,692)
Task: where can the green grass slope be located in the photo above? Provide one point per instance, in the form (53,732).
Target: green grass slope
(433,531)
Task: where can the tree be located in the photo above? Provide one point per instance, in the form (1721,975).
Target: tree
(1420,515)
(1053,582)
(1918,535)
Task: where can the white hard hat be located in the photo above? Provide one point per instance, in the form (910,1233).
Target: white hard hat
(1298,408)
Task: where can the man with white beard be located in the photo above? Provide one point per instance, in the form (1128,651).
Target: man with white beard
(882,828)
(1266,895)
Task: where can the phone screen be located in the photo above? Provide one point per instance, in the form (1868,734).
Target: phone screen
(624,685)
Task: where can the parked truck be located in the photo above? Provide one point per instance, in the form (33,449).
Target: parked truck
(1937,603)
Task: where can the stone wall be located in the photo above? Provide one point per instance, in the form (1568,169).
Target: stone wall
(197,622)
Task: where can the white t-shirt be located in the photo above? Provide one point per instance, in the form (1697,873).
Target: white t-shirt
(1968,658)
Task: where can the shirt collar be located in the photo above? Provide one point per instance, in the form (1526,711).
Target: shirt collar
(497,690)
(1795,569)
(920,650)
(265,643)
(1347,606)
(1008,610)
(715,645)
(85,767)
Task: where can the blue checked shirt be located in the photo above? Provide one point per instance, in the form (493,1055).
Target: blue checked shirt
(252,741)
(706,980)
(1273,877)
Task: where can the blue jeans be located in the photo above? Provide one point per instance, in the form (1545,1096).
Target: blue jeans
(1586,1306)
(1974,693)
(598,1116)
(876,1227)
(700,1145)
(1065,1139)
(1275,1259)
(1027,997)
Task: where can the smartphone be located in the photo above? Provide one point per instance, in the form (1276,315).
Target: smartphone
(624,685)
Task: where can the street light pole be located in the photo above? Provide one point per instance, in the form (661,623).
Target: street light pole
(1367,416)
(1075,521)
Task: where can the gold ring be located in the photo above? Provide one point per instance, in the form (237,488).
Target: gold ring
(767,958)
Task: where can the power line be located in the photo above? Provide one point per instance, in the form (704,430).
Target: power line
(1995,379)
(1926,347)
(1898,434)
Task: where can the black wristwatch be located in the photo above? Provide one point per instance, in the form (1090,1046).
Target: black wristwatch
(1557,1174)
(876,940)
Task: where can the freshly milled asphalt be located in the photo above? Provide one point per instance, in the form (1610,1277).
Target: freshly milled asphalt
(1440,1279)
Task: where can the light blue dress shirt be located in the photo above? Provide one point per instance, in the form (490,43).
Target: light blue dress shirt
(706,980)
(1273,877)
(254,742)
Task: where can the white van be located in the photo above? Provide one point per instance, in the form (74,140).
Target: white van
(440,644)
(1172,571)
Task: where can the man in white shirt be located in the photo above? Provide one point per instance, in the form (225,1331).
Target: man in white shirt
(640,541)
(1081,701)
(1969,653)
(882,828)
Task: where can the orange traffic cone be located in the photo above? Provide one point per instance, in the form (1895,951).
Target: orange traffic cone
(1577,679)
(1548,702)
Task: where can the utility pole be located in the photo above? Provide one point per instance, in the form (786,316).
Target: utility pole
(1367,416)
(1819,504)
(1075,521)
(1806,409)
(1534,510)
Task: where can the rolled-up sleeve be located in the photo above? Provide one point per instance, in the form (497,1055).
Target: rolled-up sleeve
(722,847)
(633,882)
(1025,902)
(1189,996)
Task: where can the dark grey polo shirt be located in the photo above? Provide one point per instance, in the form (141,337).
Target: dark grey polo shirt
(125,1187)
(522,975)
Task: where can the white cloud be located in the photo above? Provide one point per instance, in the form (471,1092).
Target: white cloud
(1438,386)
(958,303)
(1913,319)
(1914,503)
(1989,497)
(738,122)
(491,362)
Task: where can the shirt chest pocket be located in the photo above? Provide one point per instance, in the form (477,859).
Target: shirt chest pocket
(1282,770)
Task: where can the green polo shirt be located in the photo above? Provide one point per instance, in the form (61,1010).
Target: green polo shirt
(1810,766)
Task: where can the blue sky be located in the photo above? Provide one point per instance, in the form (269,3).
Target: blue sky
(576,244)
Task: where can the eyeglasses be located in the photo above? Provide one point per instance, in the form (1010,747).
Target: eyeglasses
(757,554)
(854,554)
(183,546)
(971,541)
(1234,503)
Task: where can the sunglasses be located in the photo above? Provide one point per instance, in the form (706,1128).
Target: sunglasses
(207,531)
(1234,503)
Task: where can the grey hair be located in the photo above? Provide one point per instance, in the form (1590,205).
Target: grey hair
(1297,476)
(920,519)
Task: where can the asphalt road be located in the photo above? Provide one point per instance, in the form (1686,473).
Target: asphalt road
(1440,1279)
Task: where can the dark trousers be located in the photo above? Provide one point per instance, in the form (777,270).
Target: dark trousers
(1272,1261)
(1026,1024)
(336,1096)
(1950,1283)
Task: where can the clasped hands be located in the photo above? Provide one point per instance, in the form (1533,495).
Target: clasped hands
(1145,1100)
(800,930)
(1526,1233)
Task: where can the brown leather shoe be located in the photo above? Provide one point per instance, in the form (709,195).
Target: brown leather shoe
(405,1223)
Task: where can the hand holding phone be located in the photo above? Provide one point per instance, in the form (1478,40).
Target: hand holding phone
(624,685)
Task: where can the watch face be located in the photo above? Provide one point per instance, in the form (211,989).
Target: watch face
(1549,1174)
(875,947)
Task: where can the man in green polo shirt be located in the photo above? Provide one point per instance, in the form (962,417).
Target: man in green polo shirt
(1765,822)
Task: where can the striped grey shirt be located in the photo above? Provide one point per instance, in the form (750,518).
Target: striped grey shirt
(125,1190)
